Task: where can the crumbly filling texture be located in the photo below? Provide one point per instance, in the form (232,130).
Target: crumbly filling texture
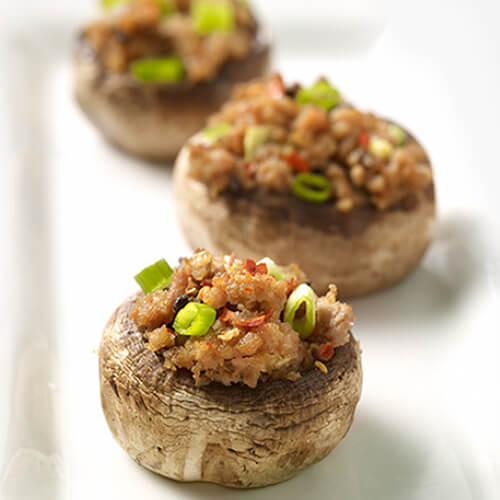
(141,29)
(363,160)
(249,341)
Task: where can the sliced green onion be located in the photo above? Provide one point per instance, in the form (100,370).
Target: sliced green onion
(303,295)
(314,188)
(167,7)
(216,132)
(255,136)
(167,69)
(379,147)
(155,277)
(398,134)
(272,268)
(212,15)
(194,319)
(110,4)
(321,94)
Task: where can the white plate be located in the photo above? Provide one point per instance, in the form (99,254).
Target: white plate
(81,218)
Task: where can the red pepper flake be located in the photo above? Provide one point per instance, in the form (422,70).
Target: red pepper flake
(297,162)
(254,322)
(226,315)
(231,259)
(276,89)
(250,266)
(292,285)
(247,289)
(364,139)
(206,283)
(209,345)
(326,351)
(261,268)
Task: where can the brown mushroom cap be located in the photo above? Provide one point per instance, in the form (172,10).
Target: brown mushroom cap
(234,436)
(361,251)
(154,120)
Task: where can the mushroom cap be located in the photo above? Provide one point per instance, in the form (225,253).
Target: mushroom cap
(154,120)
(231,435)
(361,251)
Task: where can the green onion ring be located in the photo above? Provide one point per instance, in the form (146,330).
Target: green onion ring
(303,294)
(155,277)
(195,319)
(314,188)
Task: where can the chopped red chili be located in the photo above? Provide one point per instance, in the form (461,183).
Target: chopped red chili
(326,351)
(206,283)
(226,315)
(297,162)
(254,322)
(292,285)
(250,266)
(364,139)
(261,268)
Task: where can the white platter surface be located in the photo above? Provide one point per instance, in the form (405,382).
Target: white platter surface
(81,218)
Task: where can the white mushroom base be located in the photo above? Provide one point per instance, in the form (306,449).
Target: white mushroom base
(377,253)
(234,436)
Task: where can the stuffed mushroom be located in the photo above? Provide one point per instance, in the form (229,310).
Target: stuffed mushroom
(149,72)
(299,174)
(229,371)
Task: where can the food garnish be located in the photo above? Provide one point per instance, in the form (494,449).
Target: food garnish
(321,94)
(110,4)
(255,136)
(155,277)
(195,319)
(397,134)
(212,15)
(301,321)
(297,161)
(314,188)
(162,70)
(216,132)
(272,268)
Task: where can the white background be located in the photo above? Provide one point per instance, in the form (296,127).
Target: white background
(76,225)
